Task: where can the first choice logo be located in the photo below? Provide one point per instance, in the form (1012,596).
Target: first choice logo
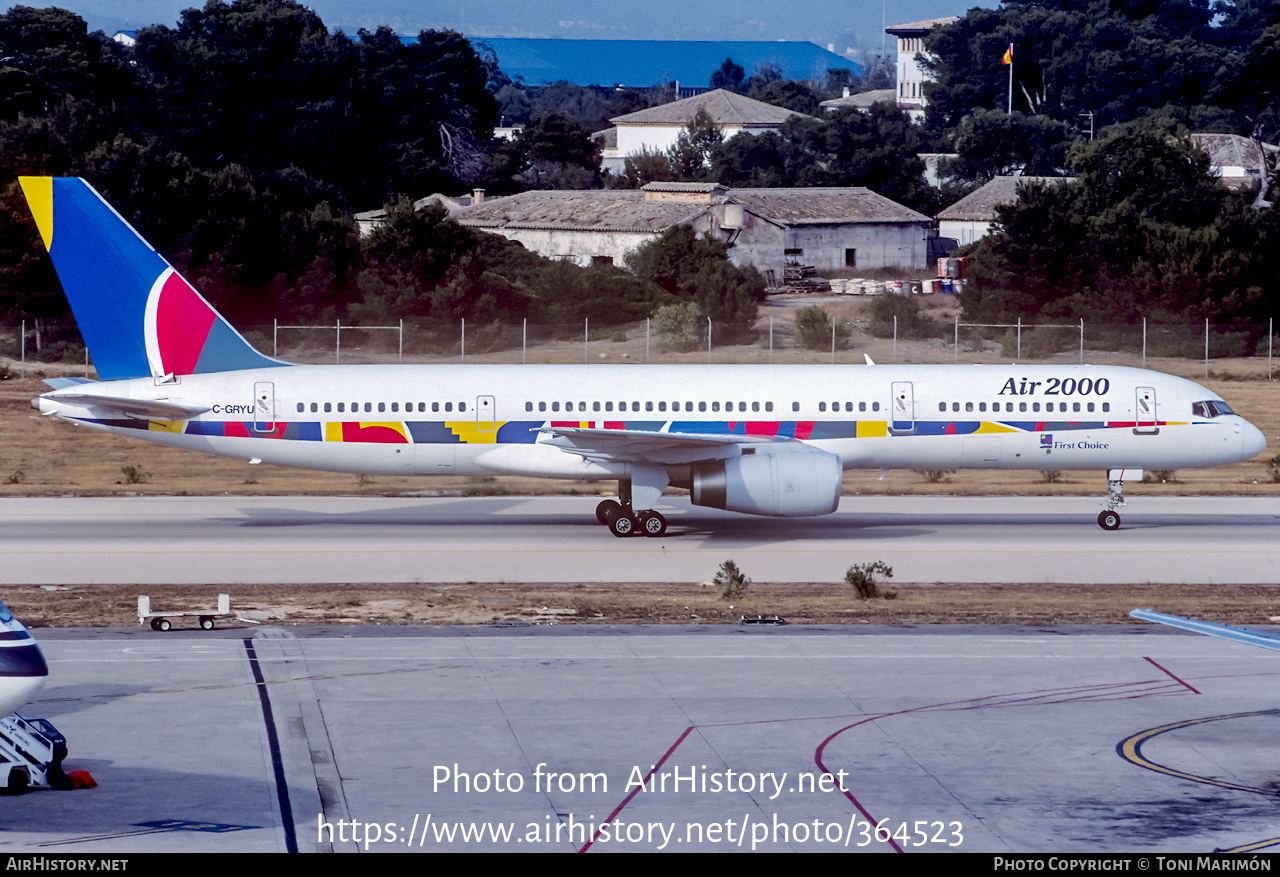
(1056,387)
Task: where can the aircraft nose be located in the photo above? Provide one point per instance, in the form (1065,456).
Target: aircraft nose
(1252,441)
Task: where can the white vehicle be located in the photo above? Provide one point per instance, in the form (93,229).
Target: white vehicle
(765,440)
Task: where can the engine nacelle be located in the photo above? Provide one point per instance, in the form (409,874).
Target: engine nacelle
(783,482)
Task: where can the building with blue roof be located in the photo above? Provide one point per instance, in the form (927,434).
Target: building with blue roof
(645,63)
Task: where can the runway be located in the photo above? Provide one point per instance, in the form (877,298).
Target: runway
(229,540)
(996,740)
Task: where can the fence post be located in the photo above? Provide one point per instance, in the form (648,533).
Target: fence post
(895,337)
(771,341)
(1082,340)
(708,341)
(402,341)
(1206,347)
(833,341)
(1270,336)
(524,340)
(586,340)
(1019,339)
(22,334)
(646,340)
(337,349)
(275,337)
(957,354)
(1144,342)
(462,356)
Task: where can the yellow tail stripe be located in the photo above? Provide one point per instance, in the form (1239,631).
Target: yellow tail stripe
(39,192)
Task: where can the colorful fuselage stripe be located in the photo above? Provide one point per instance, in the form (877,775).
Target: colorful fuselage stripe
(526,431)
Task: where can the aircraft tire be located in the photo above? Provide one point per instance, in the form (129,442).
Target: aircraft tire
(652,523)
(1109,520)
(623,525)
(607,510)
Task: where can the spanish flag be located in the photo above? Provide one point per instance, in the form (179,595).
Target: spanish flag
(1008,56)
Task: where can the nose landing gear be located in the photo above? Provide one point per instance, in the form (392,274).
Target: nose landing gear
(1109,519)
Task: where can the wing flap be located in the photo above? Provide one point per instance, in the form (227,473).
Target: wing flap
(663,448)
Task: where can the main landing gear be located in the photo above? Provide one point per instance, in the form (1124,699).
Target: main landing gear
(623,520)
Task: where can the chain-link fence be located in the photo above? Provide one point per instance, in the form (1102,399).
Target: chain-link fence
(1193,350)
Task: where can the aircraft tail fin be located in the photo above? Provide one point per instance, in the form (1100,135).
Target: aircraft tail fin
(138,316)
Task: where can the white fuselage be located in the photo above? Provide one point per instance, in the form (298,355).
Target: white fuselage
(486,419)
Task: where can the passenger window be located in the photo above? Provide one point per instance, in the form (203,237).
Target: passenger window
(341,407)
(742,406)
(942,406)
(435,406)
(848,406)
(688,406)
(542,406)
(648,406)
(608,406)
(1075,406)
(448,406)
(862,406)
(395,406)
(982,406)
(955,406)
(555,406)
(662,406)
(968,406)
(382,406)
(595,406)
(1089,407)
(462,406)
(528,406)
(768,406)
(368,406)
(582,406)
(328,406)
(702,406)
(1106,407)
(755,406)
(875,406)
(301,407)
(1035,406)
(1022,406)
(822,406)
(635,406)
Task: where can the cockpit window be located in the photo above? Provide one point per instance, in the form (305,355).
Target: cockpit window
(1210,408)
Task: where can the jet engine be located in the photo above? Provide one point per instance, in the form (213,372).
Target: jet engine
(784,481)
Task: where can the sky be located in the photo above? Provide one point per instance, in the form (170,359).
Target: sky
(838,24)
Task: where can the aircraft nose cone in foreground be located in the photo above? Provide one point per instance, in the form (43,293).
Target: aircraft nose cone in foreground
(1252,441)
(23,670)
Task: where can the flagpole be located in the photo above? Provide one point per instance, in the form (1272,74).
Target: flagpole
(1010,110)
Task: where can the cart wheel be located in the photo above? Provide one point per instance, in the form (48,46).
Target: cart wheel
(206,623)
(155,624)
(163,624)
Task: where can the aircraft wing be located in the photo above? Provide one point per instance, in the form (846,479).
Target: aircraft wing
(1209,628)
(139,409)
(641,446)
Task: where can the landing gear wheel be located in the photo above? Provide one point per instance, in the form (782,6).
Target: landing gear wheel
(652,523)
(623,525)
(206,623)
(1109,520)
(608,510)
(162,624)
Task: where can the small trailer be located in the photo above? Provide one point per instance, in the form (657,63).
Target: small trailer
(162,620)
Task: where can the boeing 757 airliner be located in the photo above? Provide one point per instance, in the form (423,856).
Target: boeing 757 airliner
(764,440)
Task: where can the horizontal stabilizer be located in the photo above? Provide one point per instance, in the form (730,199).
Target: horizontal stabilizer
(1209,628)
(63,383)
(140,409)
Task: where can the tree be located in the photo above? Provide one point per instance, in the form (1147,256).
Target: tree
(992,143)
(728,76)
(690,156)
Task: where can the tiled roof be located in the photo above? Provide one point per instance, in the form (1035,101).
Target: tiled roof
(980,205)
(594,210)
(724,108)
(818,206)
(863,100)
(1231,150)
(917,27)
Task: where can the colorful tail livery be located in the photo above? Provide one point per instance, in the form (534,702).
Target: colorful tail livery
(762,440)
(138,316)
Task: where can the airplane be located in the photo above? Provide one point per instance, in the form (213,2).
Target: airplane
(23,670)
(1212,628)
(762,440)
